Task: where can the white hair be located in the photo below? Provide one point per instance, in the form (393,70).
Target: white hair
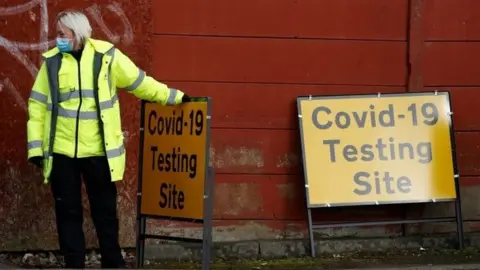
(78,23)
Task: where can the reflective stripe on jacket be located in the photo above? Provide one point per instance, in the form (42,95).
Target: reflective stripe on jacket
(63,93)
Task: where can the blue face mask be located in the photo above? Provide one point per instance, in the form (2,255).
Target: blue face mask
(64,44)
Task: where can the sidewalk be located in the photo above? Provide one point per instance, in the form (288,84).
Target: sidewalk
(430,267)
(7,266)
(407,259)
(433,267)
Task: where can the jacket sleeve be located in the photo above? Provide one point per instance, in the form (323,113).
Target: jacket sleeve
(37,107)
(136,81)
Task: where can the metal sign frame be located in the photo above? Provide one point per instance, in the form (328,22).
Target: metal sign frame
(458,210)
(141,220)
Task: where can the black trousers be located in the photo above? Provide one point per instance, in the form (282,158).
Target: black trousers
(66,185)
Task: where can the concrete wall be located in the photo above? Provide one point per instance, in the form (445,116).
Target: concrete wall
(253,58)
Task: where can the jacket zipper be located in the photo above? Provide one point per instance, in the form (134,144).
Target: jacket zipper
(79,107)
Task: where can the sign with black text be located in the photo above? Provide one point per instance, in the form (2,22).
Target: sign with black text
(377,149)
(175,160)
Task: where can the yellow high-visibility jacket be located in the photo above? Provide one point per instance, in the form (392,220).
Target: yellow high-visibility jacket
(74,109)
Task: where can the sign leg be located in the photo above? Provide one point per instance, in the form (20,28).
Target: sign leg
(459,216)
(137,243)
(205,251)
(141,244)
(207,225)
(310,232)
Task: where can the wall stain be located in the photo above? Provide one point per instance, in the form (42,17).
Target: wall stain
(234,157)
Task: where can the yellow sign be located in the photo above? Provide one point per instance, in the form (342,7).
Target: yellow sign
(369,149)
(175,160)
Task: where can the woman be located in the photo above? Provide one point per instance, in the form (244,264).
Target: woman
(74,131)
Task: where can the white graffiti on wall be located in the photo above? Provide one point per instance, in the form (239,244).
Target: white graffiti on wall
(18,49)
(10,88)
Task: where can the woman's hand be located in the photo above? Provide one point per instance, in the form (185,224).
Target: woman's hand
(37,161)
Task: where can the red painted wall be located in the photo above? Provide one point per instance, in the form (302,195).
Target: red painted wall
(26,213)
(451,60)
(254,58)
